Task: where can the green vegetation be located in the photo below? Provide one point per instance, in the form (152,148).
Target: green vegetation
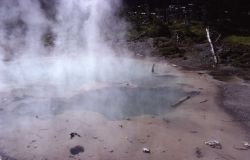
(194,31)
(147,26)
(170,40)
(198,30)
(171,52)
(156,30)
(237,51)
(150,30)
(238,40)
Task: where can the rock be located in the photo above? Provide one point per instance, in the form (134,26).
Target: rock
(246,145)
(198,152)
(128,119)
(95,137)
(194,132)
(33,141)
(214,144)
(166,120)
(76,150)
(240,148)
(111,151)
(73,134)
(146,150)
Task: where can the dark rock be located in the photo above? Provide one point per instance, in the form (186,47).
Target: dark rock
(111,151)
(146,150)
(73,134)
(76,150)
(194,132)
(198,152)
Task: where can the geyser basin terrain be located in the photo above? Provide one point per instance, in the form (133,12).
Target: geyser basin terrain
(37,120)
(119,95)
(115,103)
(122,102)
(60,74)
(122,93)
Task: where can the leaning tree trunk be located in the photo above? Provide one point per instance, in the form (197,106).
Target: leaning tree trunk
(212,46)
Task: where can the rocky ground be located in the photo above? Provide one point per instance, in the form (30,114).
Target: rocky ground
(235,98)
(232,72)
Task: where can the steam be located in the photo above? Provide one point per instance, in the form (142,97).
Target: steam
(49,50)
(59,42)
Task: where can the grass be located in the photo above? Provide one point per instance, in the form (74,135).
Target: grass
(238,52)
(238,40)
(151,28)
(171,52)
(194,31)
(198,30)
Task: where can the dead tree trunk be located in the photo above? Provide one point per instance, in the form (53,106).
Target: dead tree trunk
(212,46)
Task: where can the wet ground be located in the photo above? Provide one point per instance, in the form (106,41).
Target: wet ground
(235,100)
(115,118)
(144,94)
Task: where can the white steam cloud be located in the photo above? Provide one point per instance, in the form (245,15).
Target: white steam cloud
(58,42)
(58,56)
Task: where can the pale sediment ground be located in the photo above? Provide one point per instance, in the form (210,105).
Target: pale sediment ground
(173,135)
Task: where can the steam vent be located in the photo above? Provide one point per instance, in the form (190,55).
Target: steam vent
(124,80)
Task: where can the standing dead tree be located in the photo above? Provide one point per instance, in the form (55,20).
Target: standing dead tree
(212,46)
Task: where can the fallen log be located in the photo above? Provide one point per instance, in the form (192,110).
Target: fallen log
(204,101)
(182,100)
